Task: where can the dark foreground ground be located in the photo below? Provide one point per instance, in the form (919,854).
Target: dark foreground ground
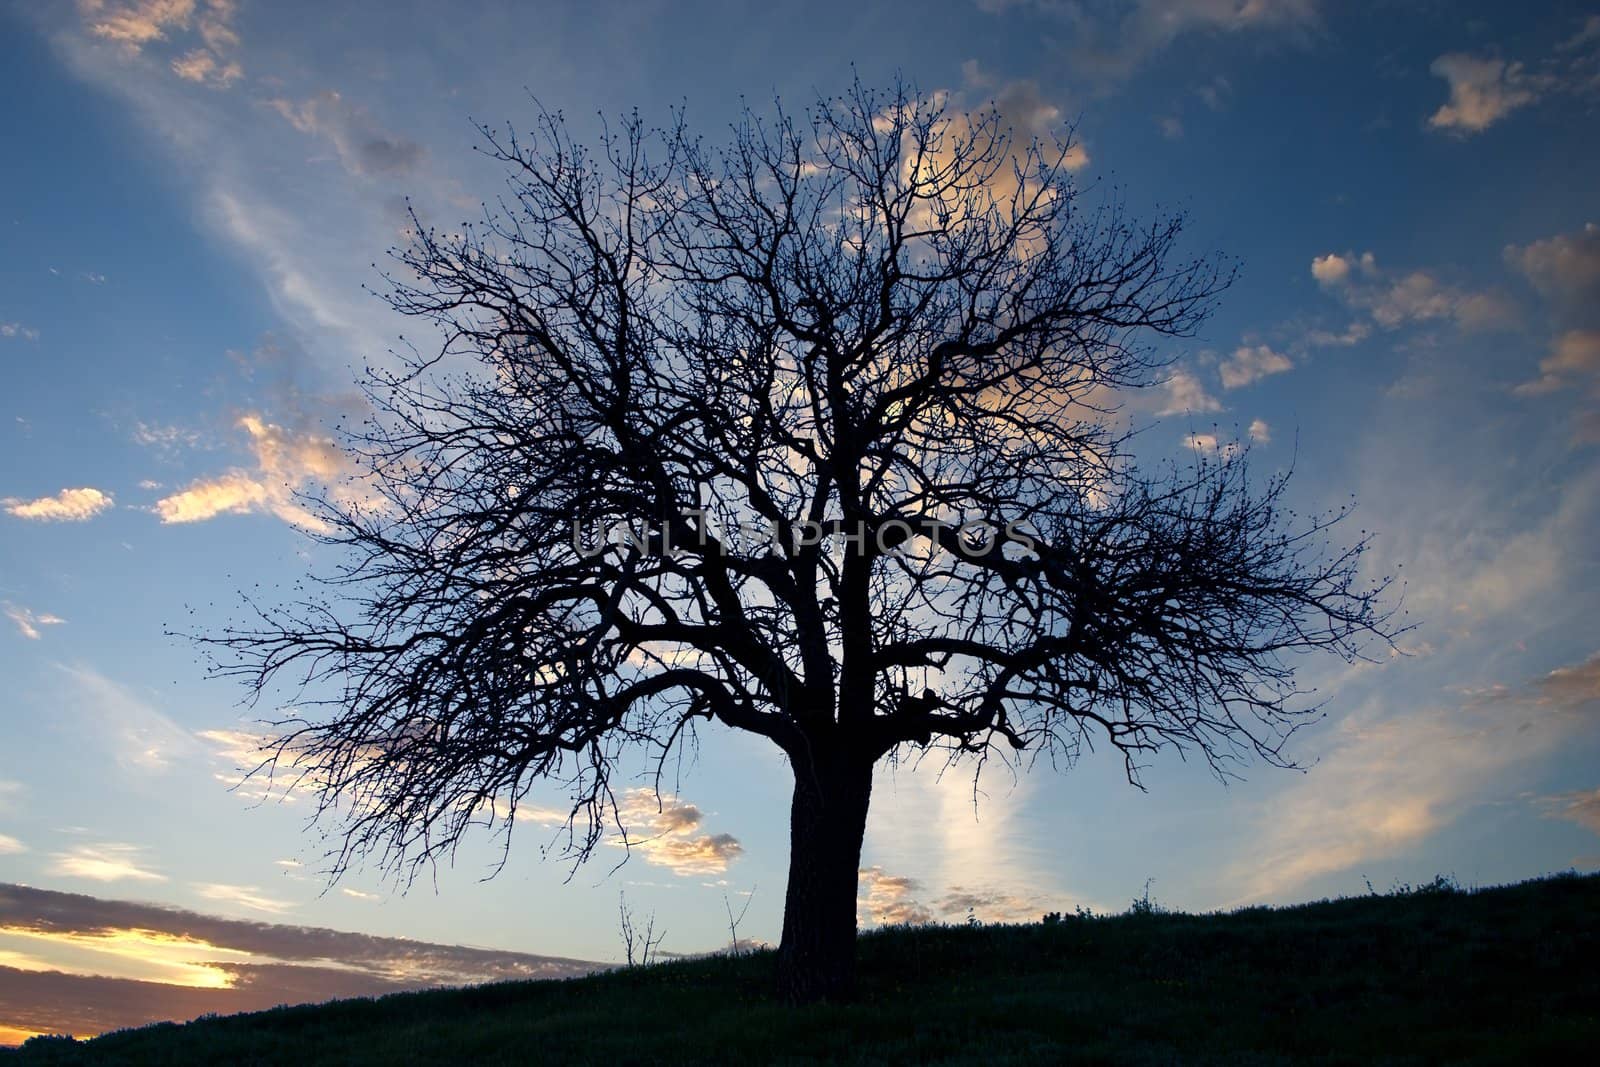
(1505,975)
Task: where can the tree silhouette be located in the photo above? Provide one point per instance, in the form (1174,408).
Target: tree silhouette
(815,435)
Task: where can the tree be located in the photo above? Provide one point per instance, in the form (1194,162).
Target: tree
(814,435)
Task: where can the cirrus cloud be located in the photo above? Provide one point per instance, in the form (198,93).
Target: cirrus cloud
(105,862)
(28,622)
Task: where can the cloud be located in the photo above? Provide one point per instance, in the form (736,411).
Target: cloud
(96,965)
(168,439)
(1581,807)
(1587,34)
(1035,126)
(885,899)
(243,751)
(1024,110)
(1210,444)
(1564,268)
(1569,688)
(286,461)
(137,24)
(663,831)
(28,622)
(110,862)
(888,900)
(1251,363)
(9,330)
(1260,432)
(244,896)
(1353,334)
(10,846)
(357,894)
(1390,781)
(201,65)
(1574,357)
(1394,300)
(140,738)
(1110,41)
(1333,269)
(1483,90)
(363,147)
(69,505)
(1182,393)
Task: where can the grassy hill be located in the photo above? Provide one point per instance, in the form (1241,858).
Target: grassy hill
(1417,976)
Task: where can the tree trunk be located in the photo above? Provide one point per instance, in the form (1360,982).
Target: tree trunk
(816,960)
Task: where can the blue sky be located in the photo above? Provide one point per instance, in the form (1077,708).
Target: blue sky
(195,194)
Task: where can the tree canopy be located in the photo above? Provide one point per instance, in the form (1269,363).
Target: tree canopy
(817,433)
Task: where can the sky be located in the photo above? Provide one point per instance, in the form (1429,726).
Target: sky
(198,197)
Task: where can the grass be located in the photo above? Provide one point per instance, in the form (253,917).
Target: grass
(1420,975)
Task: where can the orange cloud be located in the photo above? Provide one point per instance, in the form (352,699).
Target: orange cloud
(286,461)
(663,831)
(80,965)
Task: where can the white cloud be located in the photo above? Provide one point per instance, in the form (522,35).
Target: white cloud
(202,66)
(1260,432)
(1210,444)
(1483,90)
(69,505)
(1334,270)
(357,894)
(141,738)
(9,330)
(1391,780)
(1574,358)
(1251,363)
(1352,334)
(1183,393)
(665,832)
(1564,268)
(138,24)
(108,862)
(10,846)
(1393,300)
(28,622)
(243,896)
(135,23)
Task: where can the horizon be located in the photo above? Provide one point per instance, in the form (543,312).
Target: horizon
(201,189)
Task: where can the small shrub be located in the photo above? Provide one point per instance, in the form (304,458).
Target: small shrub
(1143,905)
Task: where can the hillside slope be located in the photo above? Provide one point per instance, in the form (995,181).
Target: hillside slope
(1495,976)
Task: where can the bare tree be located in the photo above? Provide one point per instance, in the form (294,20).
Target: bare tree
(814,435)
(639,945)
(735,920)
